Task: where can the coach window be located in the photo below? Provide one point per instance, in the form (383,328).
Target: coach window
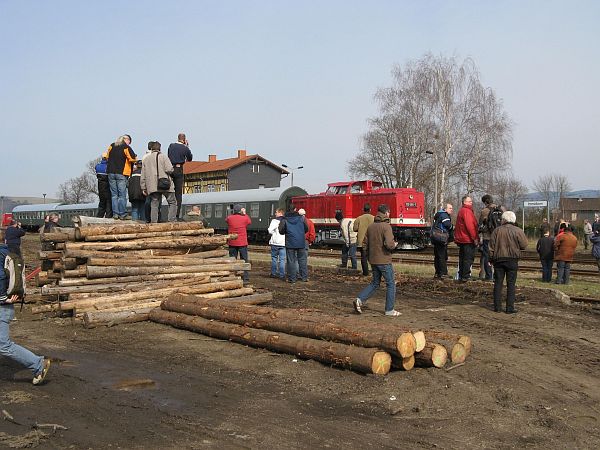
(208,211)
(254,208)
(219,210)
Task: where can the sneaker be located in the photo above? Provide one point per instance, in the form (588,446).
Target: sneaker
(393,313)
(127,217)
(357,305)
(40,376)
(116,218)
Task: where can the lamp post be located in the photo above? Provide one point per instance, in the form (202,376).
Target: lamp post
(429,152)
(44,198)
(292,169)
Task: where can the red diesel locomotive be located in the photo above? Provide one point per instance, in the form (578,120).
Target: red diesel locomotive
(407,211)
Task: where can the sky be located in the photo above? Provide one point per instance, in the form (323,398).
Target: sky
(290,80)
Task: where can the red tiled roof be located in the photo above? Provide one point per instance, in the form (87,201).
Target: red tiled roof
(223,164)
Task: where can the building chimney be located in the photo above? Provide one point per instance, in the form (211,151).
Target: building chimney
(212,158)
(241,154)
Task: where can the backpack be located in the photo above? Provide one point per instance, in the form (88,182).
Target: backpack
(494,219)
(14,268)
(438,234)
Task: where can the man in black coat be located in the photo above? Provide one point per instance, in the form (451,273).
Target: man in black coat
(178,153)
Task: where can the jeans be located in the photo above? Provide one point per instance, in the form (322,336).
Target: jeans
(440,261)
(485,270)
(13,351)
(177,177)
(466,256)
(118,193)
(278,260)
(364,261)
(296,256)
(547,270)
(243,254)
(387,272)
(564,272)
(509,268)
(155,203)
(349,251)
(138,210)
(104,198)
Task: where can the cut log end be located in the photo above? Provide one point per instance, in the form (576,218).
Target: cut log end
(467,343)
(381,364)
(439,356)
(406,345)
(403,363)
(420,340)
(458,354)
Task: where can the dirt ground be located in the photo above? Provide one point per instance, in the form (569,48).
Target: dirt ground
(533,380)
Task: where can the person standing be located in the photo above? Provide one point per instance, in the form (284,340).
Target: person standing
(361,224)
(587,233)
(179,152)
(12,238)
(294,228)
(545,226)
(595,239)
(120,156)
(486,226)
(156,169)
(545,249)
(564,251)
(442,222)
(104,195)
(466,237)
(379,243)
(238,223)
(277,243)
(309,236)
(506,244)
(596,224)
(38,365)
(349,248)
(195,215)
(136,195)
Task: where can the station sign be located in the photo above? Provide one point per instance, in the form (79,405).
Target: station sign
(536,203)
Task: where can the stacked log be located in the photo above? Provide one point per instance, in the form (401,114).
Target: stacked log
(115,271)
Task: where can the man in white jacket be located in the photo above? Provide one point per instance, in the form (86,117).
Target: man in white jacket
(277,243)
(349,248)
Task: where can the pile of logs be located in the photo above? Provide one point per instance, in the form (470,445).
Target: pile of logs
(106,273)
(346,341)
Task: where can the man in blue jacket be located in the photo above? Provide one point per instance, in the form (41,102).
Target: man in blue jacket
(37,364)
(12,237)
(294,228)
(442,222)
(104,195)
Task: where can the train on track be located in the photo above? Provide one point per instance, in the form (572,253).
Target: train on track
(407,210)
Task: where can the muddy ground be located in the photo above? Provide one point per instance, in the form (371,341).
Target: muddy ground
(533,380)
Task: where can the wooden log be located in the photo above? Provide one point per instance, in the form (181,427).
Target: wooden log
(159,234)
(131,306)
(57,236)
(147,254)
(162,261)
(117,271)
(57,265)
(84,221)
(69,263)
(50,254)
(347,356)
(252,299)
(80,271)
(121,288)
(94,319)
(286,321)
(228,295)
(71,282)
(433,355)
(207,242)
(407,363)
(133,227)
(435,335)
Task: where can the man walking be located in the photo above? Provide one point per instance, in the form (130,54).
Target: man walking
(564,251)
(587,233)
(237,223)
(379,243)
(294,228)
(506,244)
(349,248)
(442,222)
(361,224)
(179,152)
(466,237)
(104,195)
(120,157)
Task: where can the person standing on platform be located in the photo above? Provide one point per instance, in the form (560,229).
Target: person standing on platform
(565,245)
(238,223)
(179,153)
(466,237)
(120,157)
(361,224)
(104,195)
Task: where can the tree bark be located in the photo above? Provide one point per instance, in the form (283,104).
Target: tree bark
(99,318)
(163,261)
(159,234)
(433,355)
(50,254)
(252,299)
(116,271)
(285,321)
(146,254)
(133,227)
(68,234)
(208,242)
(347,356)
(85,221)
(137,278)
(434,335)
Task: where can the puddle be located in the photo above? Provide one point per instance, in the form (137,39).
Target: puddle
(130,385)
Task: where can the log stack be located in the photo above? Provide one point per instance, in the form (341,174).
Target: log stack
(117,271)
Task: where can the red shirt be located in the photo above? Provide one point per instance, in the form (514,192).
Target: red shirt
(310,234)
(465,231)
(237,224)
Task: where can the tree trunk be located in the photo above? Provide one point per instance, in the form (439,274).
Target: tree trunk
(252,299)
(50,254)
(116,271)
(433,335)
(59,236)
(85,221)
(285,321)
(80,271)
(163,261)
(159,234)
(133,227)
(403,363)
(347,356)
(137,278)
(433,355)
(207,242)
(99,318)
(146,254)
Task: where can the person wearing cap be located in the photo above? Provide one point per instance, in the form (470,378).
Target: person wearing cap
(507,242)
(120,156)
(136,195)
(237,223)
(179,152)
(104,195)
(361,224)
(155,166)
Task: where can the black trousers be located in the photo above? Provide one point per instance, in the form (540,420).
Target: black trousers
(364,261)
(105,199)
(440,261)
(508,268)
(466,256)
(178,181)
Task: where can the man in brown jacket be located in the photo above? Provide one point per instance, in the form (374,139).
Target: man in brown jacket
(379,243)
(360,226)
(564,250)
(506,244)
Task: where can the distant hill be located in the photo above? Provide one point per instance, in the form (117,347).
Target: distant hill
(586,193)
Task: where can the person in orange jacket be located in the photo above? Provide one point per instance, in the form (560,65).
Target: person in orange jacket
(564,251)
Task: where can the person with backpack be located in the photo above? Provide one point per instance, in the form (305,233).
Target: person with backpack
(440,237)
(8,296)
(294,228)
(490,218)
(277,244)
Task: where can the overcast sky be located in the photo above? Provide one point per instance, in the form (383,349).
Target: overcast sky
(290,80)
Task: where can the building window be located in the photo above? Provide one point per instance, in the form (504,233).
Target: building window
(255,168)
(254,209)
(223,187)
(573,217)
(210,188)
(208,211)
(197,189)
(219,210)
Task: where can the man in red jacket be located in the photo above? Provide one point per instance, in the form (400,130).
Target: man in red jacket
(466,237)
(237,223)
